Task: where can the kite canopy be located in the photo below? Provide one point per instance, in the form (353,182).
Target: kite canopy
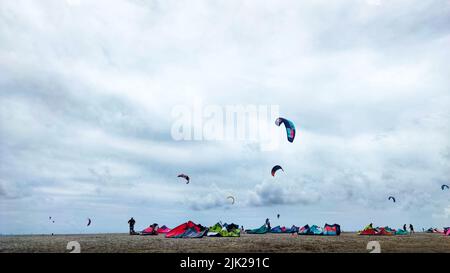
(275,169)
(382,231)
(401,232)
(368,231)
(392,198)
(332,230)
(151,230)
(293,229)
(444,186)
(290,128)
(447,231)
(311,230)
(232,199)
(231,226)
(278,229)
(327,230)
(185,177)
(387,231)
(303,230)
(434,230)
(225,230)
(261,230)
(163,229)
(215,230)
(187,230)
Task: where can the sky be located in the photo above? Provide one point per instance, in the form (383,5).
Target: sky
(88,90)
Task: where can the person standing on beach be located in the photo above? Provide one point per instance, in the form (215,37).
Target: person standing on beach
(131,222)
(268,223)
(404,227)
(411,229)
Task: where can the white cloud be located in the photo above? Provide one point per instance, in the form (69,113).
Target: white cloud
(87,88)
(278,193)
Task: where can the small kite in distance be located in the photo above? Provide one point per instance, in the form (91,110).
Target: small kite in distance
(185,177)
(275,169)
(232,199)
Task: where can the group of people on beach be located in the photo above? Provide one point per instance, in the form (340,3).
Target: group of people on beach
(411,228)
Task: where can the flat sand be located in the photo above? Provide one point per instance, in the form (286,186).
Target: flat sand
(283,243)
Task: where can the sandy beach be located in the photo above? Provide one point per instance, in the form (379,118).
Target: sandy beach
(283,243)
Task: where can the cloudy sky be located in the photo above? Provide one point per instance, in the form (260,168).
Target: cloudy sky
(87,90)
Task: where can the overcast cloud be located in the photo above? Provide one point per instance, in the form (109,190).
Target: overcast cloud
(87,89)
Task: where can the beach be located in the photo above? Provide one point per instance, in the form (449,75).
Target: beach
(274,243)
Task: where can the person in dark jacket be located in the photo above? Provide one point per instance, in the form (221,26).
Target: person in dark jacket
(131,222)
(411,229)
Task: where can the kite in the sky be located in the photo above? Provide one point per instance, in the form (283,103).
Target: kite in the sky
(290,128)
(275,169)
(232,199)
(185,177)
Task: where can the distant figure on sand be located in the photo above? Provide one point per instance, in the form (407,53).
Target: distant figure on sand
(411,229)
(404,227)
(268,223)
(131,222)
(371,225)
